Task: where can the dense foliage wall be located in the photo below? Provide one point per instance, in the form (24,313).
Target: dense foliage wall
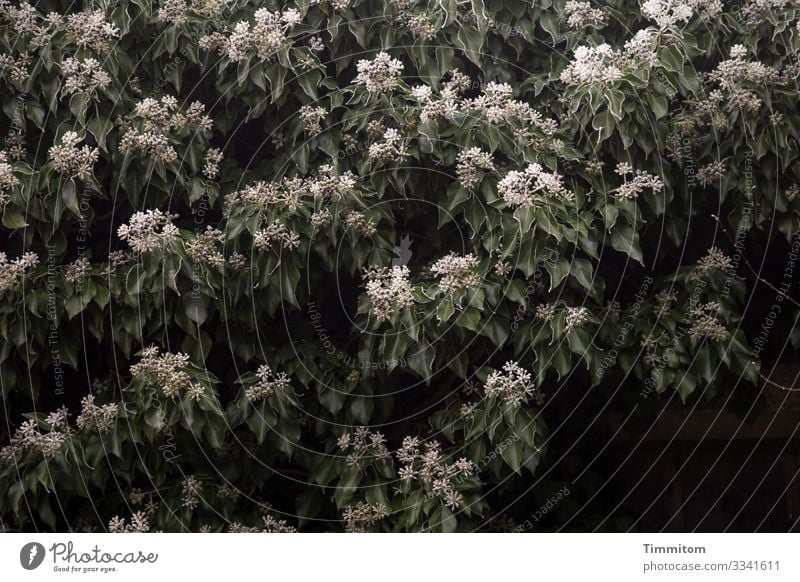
(325,264)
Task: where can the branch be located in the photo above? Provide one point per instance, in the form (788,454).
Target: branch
(752,270)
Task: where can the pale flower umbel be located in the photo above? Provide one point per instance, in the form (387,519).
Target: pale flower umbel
(457,272)
(148,231)
(70,160)
(379,75)
(389,290)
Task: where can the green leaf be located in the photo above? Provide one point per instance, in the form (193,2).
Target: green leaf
(604,123)
(470,40)
(99,127)
(658,105)
(69,195)
(615,99)
(13,220)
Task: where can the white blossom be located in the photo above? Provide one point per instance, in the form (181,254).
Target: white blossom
(379,75)
(148,231)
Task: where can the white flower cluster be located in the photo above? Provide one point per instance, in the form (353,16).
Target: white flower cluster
(271,525)
(191,490)
(575,317)
(72,161)
(705,324)
(211,163)
(177,11)
(26,21)
(83,77)
(12,271)
(148,231)
(97,418)
(361,517)
(449,98)
(28,437)
(159,117)
(264,37)
(138,524)
(277,231)
(469,163)
(363,444)
(202,249)
(457,272)
(715,260)
(358,222)
(525,188)
(16,68)
(237,261)
(734,74)
(513,385)
(268,383)
(15,140)
(274,525)
(329,184)
(711,172)
(581,14)
(497,105)
(432,470)
(8,181)
(419,25)
(664,302)
(545,312)
(320,219)
(380,75)
(165,370)
(635,182)
(389,290)
(287,193)
(312,116)
(755,11)
(91,30)
(391,149)
(603,64)
(670,13)
(78,270)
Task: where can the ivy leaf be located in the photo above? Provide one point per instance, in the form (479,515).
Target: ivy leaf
(470,40)
(13,220)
